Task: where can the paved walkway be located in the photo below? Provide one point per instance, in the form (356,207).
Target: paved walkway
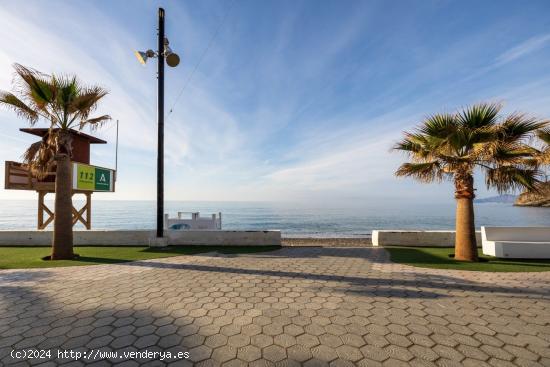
(291,307)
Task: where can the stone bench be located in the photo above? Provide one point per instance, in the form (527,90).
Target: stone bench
(516,242)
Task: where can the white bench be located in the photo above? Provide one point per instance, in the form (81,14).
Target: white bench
(516,242)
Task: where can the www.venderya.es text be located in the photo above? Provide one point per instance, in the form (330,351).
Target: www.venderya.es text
(96,354)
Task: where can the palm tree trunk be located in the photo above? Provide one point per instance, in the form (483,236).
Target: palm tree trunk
(465,240)
(62,245)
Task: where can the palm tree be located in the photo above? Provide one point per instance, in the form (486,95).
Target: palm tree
(65,104)
(453,146)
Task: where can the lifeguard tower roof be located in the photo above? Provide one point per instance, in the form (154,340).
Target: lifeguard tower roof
(81,142)
(41,131)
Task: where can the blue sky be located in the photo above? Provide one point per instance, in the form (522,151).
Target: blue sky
(294,100)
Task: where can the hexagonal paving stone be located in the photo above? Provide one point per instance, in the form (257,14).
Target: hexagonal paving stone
(261,340)
(307,340)
(324,353)
(224,353)
(274,353)
(249,353)
(299,353)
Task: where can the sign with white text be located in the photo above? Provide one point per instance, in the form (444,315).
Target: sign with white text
(92,178)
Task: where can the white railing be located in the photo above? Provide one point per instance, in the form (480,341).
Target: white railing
(196,222)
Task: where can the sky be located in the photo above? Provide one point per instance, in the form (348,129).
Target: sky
(279,100)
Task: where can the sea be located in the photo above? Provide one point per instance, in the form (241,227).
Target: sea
(293,219)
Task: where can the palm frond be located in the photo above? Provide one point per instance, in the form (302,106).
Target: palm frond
(439,125)
(518,126)
(84,104)
(11,101)
(34,85)
(506,178)
(544,135)
(40,158)
(423,172)
(86,101)
(95,123)
(68,88)
(32,152)
(480,115)
(414,145)
(502,152)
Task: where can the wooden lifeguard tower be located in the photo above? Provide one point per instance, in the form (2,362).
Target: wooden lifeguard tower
(86,178)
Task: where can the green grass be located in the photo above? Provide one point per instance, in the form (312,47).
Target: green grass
(31,257)
(438,258)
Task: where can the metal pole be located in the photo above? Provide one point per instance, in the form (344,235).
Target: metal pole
(160,107)
(116,151)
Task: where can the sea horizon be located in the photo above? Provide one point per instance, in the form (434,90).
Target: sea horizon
(293,219)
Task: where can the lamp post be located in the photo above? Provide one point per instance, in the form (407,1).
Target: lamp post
(163,52)
(160,123)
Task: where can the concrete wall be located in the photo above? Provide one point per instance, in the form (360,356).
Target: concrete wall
(416,238)
(241,238)
(142,238)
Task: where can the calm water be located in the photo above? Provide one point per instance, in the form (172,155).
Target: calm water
(292,219)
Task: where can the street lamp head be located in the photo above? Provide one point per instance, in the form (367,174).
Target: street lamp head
(142,56)
(172,59)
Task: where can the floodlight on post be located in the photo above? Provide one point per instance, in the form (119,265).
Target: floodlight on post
(142,56)
(172,59)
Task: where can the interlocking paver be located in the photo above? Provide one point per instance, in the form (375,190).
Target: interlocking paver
(249,353)
(291,307)
(224,353)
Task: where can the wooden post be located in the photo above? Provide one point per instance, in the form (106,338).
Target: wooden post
(43,208)
(84,215)
(40,210)
(88,210)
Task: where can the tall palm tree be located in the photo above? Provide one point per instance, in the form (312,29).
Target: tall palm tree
(453,146)
(65,104)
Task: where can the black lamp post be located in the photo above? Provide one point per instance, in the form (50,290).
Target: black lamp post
(172,59)
(160,123)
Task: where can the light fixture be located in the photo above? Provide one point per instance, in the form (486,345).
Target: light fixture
(142,56)
(172,59)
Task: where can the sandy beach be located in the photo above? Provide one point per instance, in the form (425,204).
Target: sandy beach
(327,242)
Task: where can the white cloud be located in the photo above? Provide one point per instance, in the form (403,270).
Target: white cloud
(524,48)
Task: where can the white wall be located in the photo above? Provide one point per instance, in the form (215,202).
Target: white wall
(141,238)
(416,238)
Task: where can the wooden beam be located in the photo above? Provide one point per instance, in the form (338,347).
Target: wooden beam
(88,210)
(77,215)
(83,215)
(43,208)
(40,224)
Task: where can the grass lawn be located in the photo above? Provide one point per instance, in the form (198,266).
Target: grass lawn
(31,257)
(438,258)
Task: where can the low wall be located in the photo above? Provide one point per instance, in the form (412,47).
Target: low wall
(416,238)
(225,238)
(142,238)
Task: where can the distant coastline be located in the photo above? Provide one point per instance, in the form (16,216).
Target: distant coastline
(501,199)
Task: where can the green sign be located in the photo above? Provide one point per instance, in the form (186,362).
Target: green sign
(92,178)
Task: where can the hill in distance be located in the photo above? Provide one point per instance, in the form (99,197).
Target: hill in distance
(502,199)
